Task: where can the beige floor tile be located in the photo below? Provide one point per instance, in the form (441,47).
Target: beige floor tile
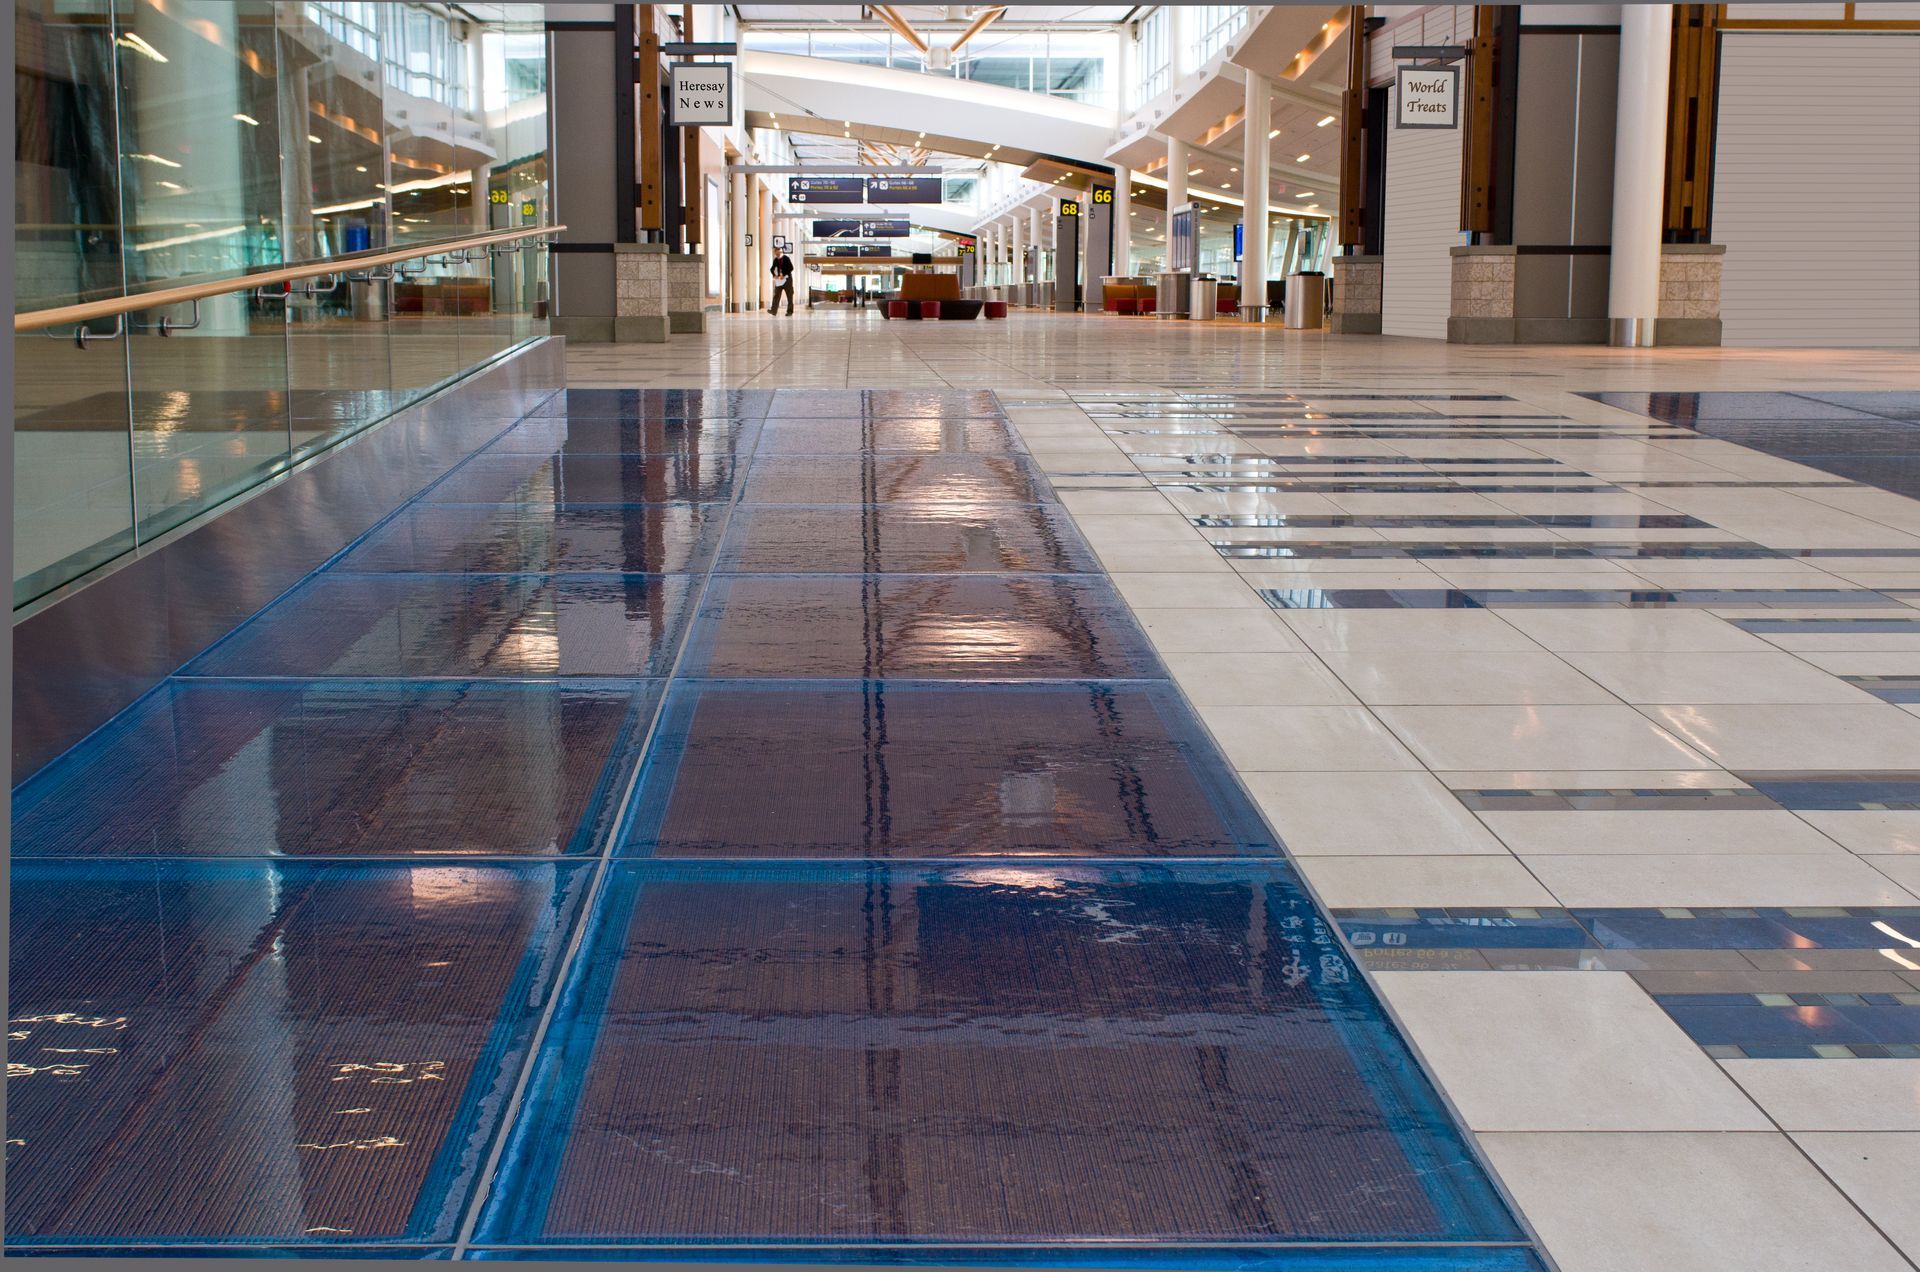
(1869,831)
(1642,832)
(1263,740)
(1833,1095)
(1368,815)
(1549,737)
(1372,882)
(1407,631)
(1207,631)
(1727,879)
(1516,676)
(1864,737)
(1685,1202)
(1563,1051)
(1673,677)
(1256,680)
(1214,591)
(1624,631)
(1878,1172)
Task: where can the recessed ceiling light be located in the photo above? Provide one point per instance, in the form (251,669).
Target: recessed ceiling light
(1233,169)
(1312,206)
(1194,172)
(248,120)
(165,163)
(171,186)
(1273,134)
(315,140)
(1323,123)
(1225,185)
(1301,158)
(359,167)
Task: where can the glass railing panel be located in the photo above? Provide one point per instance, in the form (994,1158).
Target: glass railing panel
(338,357)
(428,295)
(333,99)
(73,476)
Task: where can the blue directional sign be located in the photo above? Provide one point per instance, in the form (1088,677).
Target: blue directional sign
(903,189)
(826,189)
(886,229)
(837,229)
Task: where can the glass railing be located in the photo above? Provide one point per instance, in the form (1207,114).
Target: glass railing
(134,416)
(193,142)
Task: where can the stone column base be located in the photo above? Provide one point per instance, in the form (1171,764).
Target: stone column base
(1689,294)
(1482,306)
(1356,295)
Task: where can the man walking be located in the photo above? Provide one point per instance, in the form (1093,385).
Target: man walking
(782,282)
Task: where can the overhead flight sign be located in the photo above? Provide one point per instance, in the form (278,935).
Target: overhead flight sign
(903,189)
(826,190)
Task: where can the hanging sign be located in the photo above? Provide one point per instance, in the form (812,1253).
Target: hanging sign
(826,190)
(700,93)
(1426,97)
(903,189)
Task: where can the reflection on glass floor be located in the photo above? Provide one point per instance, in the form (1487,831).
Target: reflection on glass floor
(635,848)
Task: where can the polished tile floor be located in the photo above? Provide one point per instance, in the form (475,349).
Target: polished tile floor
(829,791)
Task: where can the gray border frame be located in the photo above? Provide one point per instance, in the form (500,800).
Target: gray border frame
(1401,70)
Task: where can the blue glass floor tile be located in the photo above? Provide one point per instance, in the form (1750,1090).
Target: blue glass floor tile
(978,627)
(670,538)
(679,404)
(917,769)
(880,403)
(957,482)
(275,768)
(266,1052)
(544,480)
(995,1052)
(1161,1257)
(906,538)
(809,436)
(414,625)
(573,436)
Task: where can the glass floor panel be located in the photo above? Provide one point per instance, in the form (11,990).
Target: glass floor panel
(413,625)
(904,538)
(980,627)
(953,482)
(266,1052)
(669,538)
(794,435)
(978,1053)
(670,404)
(570,437)
(879,403)
(903,769)
(266,768)
(547,479)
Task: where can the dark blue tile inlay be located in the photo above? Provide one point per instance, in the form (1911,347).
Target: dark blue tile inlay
(266,1052)
(277,768)
(1003,1052)
(542,480)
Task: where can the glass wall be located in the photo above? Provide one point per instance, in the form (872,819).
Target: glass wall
(196,140)
(1215,24)
(1153,58)
(1073,63)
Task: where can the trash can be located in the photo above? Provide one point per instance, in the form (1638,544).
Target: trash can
(1205,297)
(1170,295)
(1306,301)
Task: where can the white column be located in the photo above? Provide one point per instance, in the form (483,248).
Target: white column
(1034,241)
(740,256)
(1014,274)
(1123,220)
(1180,41)
(1254,187)
(1639,163)
(1177,164)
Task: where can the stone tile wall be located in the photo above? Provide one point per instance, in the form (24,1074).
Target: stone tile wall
(1356,294)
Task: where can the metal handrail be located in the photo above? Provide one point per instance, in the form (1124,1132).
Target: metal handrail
(38,319)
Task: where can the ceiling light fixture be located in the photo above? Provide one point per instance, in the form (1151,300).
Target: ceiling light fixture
(1194,172)
(248,120)
(1273,134)
(165,163)
(1323,123)
(315,140)
(1301,158)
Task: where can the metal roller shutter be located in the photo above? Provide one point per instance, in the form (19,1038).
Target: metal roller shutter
(1817,189)
(1422,223)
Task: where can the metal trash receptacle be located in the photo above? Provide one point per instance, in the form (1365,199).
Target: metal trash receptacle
(1307,301)
(1204,299)
(1170,294)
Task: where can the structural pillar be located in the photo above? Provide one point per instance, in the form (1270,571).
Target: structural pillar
(1639,174)
(1123,220)
(1014,273)
(739,255)
(1177,161)
(1254,187)
(1033,249)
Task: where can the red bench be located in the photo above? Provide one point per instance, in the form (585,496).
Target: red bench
(996,309)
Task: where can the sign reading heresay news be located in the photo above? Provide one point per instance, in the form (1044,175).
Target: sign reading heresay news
(1427,97)
(700,93)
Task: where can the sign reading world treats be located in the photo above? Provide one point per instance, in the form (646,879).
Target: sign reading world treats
(1427,97)
(700,93)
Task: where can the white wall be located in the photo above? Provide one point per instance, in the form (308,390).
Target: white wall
(1817,189)
(1422,223)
